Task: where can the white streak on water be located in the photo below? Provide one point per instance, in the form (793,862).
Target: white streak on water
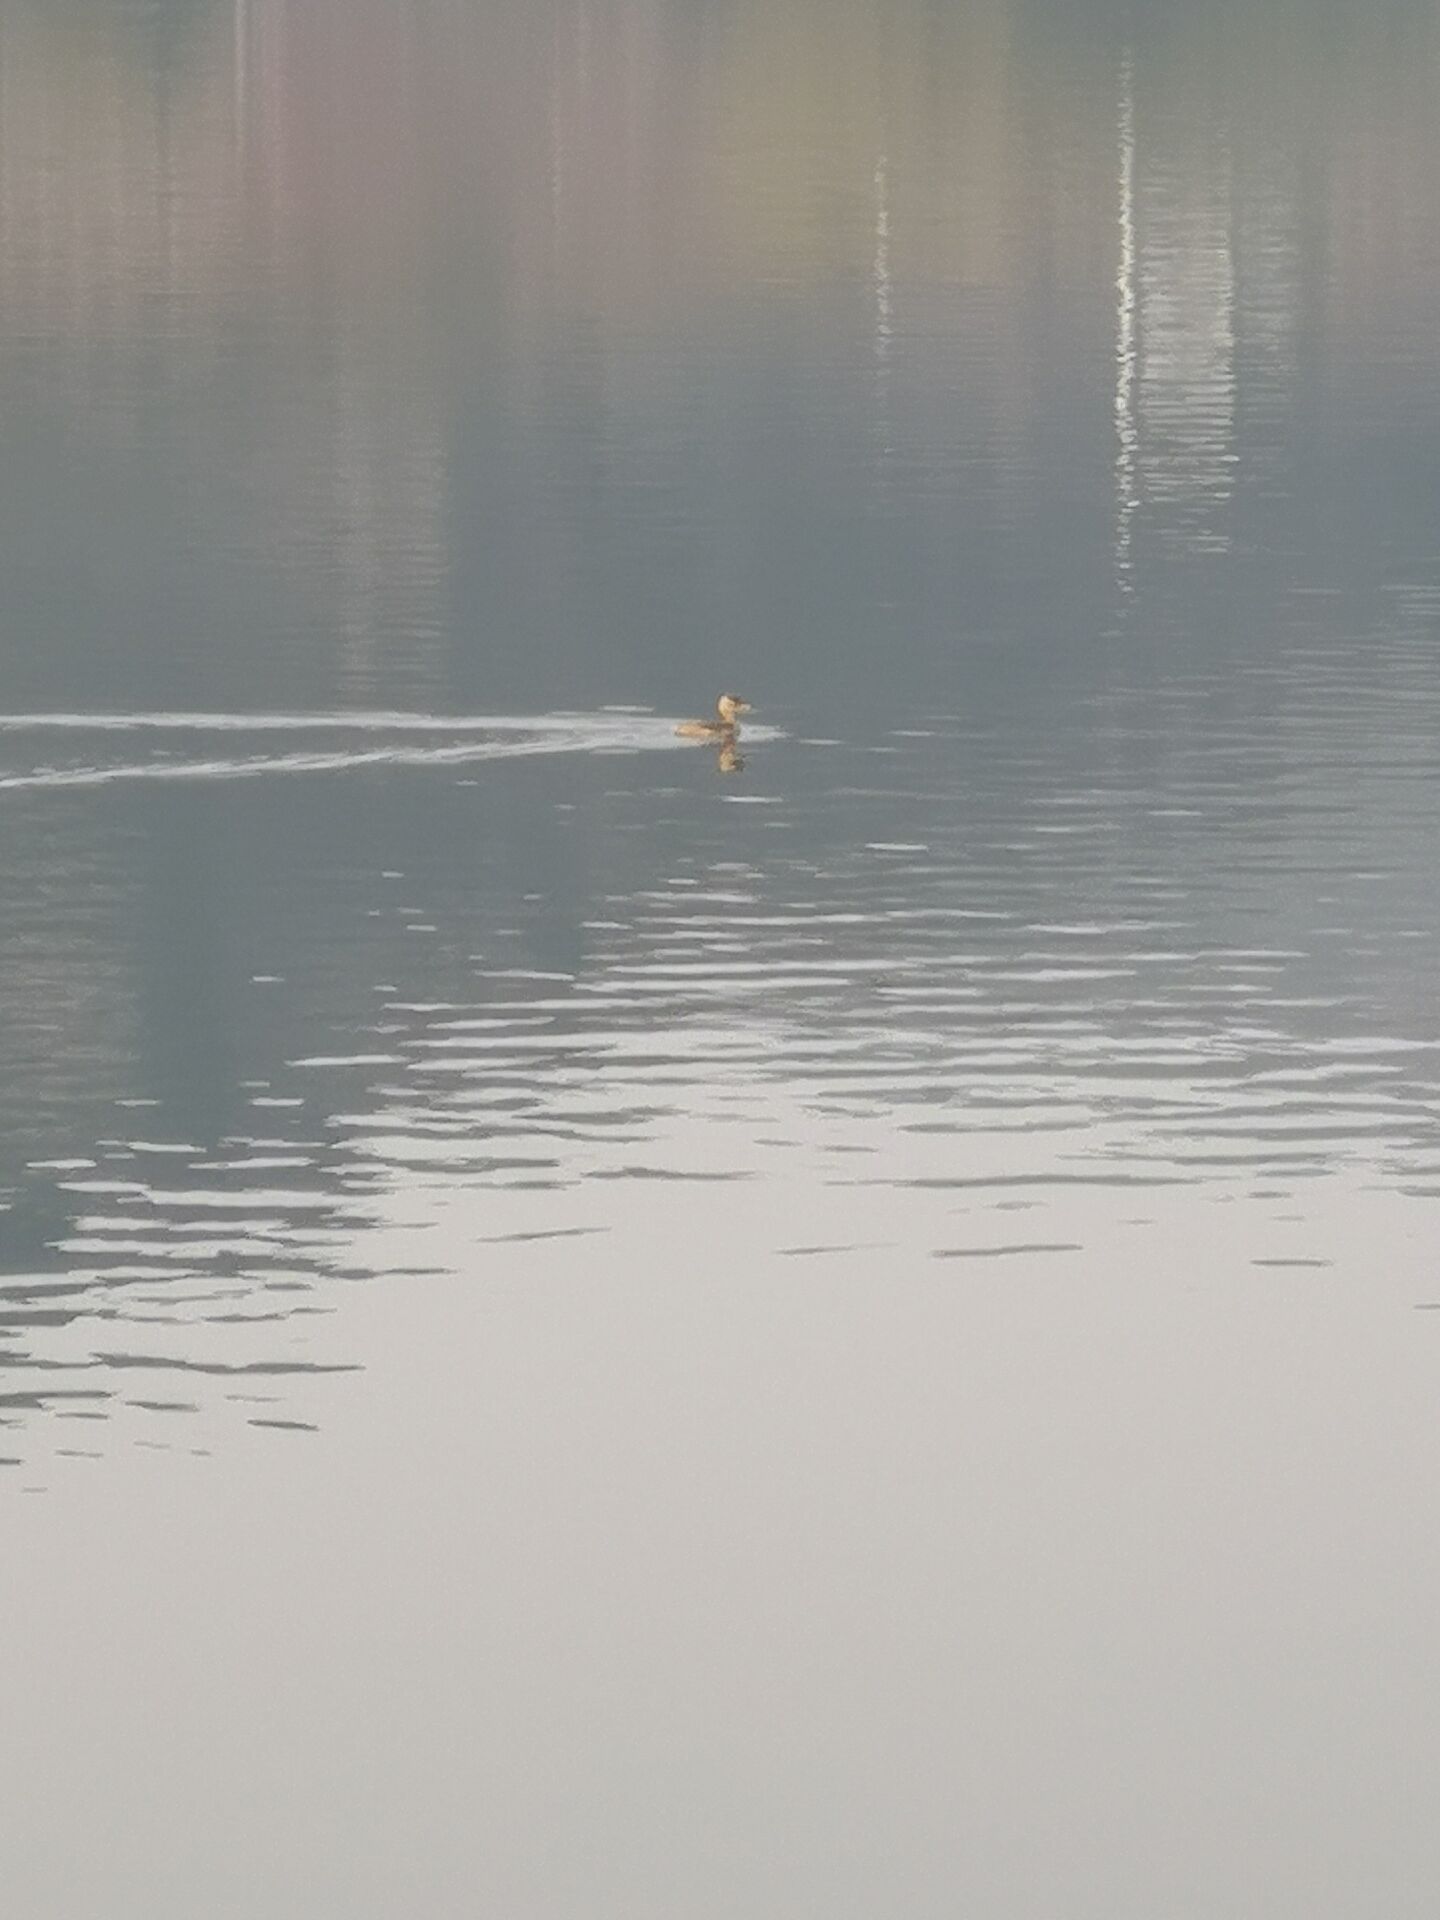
(341,721)
(490,737)
(1126,428)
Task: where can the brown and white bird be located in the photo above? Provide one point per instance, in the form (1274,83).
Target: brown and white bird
(727,708)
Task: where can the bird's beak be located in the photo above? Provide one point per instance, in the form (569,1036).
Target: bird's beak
(742,706)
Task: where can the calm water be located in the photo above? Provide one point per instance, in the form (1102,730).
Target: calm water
(589,1332)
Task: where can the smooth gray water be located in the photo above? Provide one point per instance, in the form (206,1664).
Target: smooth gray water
(587,1331)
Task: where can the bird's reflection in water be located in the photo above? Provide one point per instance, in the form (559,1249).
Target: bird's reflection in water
(723,731)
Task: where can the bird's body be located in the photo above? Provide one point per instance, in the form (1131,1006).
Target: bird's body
(722,727)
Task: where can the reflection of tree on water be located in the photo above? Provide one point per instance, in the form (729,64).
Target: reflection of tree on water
(411,353)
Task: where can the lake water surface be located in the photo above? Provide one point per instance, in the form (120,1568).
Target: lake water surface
(590,1329)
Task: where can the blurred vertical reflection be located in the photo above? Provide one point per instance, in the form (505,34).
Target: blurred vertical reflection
(1126,428)
(1186,299)
(564,349)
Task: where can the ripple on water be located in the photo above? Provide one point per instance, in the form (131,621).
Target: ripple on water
(937,1014)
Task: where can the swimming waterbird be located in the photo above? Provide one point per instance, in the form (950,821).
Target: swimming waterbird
(727,707)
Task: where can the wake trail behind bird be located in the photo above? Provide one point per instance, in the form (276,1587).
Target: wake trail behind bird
(485,737)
